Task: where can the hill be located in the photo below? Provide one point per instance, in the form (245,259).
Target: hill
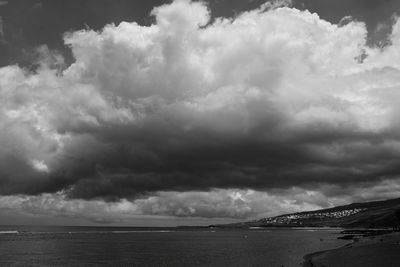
(377,214)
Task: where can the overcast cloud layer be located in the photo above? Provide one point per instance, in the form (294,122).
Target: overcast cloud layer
(274,100)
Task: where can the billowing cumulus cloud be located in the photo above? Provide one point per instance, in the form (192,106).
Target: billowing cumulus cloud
(273,99)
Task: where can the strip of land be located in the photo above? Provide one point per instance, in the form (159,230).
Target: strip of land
(367,251)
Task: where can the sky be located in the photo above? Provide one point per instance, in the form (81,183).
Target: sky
(165,113)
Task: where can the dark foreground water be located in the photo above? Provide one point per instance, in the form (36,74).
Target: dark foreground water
(95,246)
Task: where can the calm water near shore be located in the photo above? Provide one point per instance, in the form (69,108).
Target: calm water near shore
(112,246)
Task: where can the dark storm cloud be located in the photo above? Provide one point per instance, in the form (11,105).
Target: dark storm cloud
(270,99)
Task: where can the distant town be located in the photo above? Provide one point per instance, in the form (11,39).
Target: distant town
(298,218)
(375,214)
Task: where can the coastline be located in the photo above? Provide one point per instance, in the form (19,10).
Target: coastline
(372,250)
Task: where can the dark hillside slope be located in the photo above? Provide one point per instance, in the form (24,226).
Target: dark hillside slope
(375,214)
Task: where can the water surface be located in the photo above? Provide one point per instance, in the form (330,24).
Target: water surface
(112,246)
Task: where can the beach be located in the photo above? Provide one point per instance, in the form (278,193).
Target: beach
(372,251)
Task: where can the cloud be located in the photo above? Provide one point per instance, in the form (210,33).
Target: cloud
(194,207)
(272,99)
(219,203)
(276,4)
(2,38)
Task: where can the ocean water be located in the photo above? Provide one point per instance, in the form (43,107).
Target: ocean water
(109,246)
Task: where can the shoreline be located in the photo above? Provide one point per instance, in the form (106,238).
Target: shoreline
(311,260)
(367,248)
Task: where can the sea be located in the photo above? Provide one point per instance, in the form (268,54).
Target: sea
(124,246)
